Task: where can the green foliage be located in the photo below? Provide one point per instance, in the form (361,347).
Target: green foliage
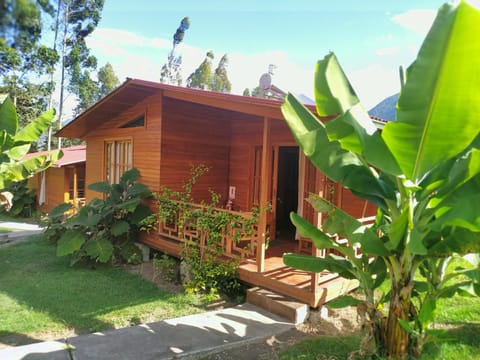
(170,72)
(23,201)
(107,80)
(220,80)
(166,267)
(208,271)
(15,144)
(423,173)
(205,78)
(102,230)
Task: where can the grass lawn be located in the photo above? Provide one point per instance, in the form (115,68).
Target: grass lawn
(459,316)
(42,297)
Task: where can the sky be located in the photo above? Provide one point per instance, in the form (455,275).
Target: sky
(371,39)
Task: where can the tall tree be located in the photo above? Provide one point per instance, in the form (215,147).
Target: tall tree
(23,60)
(78,19)
(107,80)
(220,80)
(170,73)
(201,78)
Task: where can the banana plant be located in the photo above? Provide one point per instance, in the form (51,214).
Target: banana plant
(15,144)
(422,172)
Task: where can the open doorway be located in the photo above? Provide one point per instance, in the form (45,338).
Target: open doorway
(287,191)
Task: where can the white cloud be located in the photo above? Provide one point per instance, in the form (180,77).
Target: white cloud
(388,51)
(374,83)
(140,57)
(418,20)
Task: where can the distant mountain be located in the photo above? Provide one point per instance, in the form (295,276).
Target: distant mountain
(304,99)
(385,109)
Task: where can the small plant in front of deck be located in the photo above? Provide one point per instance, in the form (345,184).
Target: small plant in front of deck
(422,172)
(208,272)
(103,230)
(166,267)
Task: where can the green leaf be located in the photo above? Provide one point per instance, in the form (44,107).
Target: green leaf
(346,226)
(36,128)
(415,244)
(406,326)
(427,312)
(344,301)
(439,88)
(140,213)
(99,249)
(8,117)
(328,156)
(397,231)
(456,240)
(70,242)
(129,205)
(306,229)
(59,210)
(101,187)
(119,228)
(130,176)
(314,264)
(333,92)
(138,190)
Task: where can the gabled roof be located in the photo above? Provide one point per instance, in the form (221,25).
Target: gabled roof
(132,91)
(71,155)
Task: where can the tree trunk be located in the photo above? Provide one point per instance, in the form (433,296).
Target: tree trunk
(397,340)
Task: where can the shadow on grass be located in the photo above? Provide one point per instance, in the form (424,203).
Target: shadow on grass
(40,293)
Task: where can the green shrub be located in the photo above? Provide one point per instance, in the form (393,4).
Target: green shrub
(166,267)
(209,272)
(23,201)
(103,230)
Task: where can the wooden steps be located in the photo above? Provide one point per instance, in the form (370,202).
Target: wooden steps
(293,310)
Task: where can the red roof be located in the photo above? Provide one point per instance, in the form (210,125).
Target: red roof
(71,155)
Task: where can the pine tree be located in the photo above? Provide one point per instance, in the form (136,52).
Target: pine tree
(170,73)
(201,78)
(220,78)
(107,80)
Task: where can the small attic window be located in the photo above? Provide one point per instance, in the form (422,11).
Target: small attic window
(139,121)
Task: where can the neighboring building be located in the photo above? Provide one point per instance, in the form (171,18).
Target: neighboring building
(163,130)
(63,182)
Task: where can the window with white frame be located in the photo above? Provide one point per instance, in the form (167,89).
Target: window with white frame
(118,159)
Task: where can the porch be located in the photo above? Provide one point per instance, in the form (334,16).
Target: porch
(240,241)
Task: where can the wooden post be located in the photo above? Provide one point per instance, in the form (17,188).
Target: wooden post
(317,218)
(264,184)
(75,186)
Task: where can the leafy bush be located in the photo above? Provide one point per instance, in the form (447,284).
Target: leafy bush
(166,267)
(208,271)
(103,230)
(23,200)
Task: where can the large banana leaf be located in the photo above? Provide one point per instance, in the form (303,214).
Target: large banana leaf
(438,111)
(346,226)
(328,156)
(353,128)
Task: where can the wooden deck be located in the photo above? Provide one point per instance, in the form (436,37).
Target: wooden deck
(291,282)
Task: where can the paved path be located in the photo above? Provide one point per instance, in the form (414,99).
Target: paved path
(186,337)
(21,233)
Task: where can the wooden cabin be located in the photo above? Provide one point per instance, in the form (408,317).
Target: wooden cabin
(63,182)
(163,130)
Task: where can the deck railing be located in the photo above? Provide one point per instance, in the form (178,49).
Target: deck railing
(238,237)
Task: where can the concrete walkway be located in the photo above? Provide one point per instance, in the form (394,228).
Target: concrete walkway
(186,337)
(21,230)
